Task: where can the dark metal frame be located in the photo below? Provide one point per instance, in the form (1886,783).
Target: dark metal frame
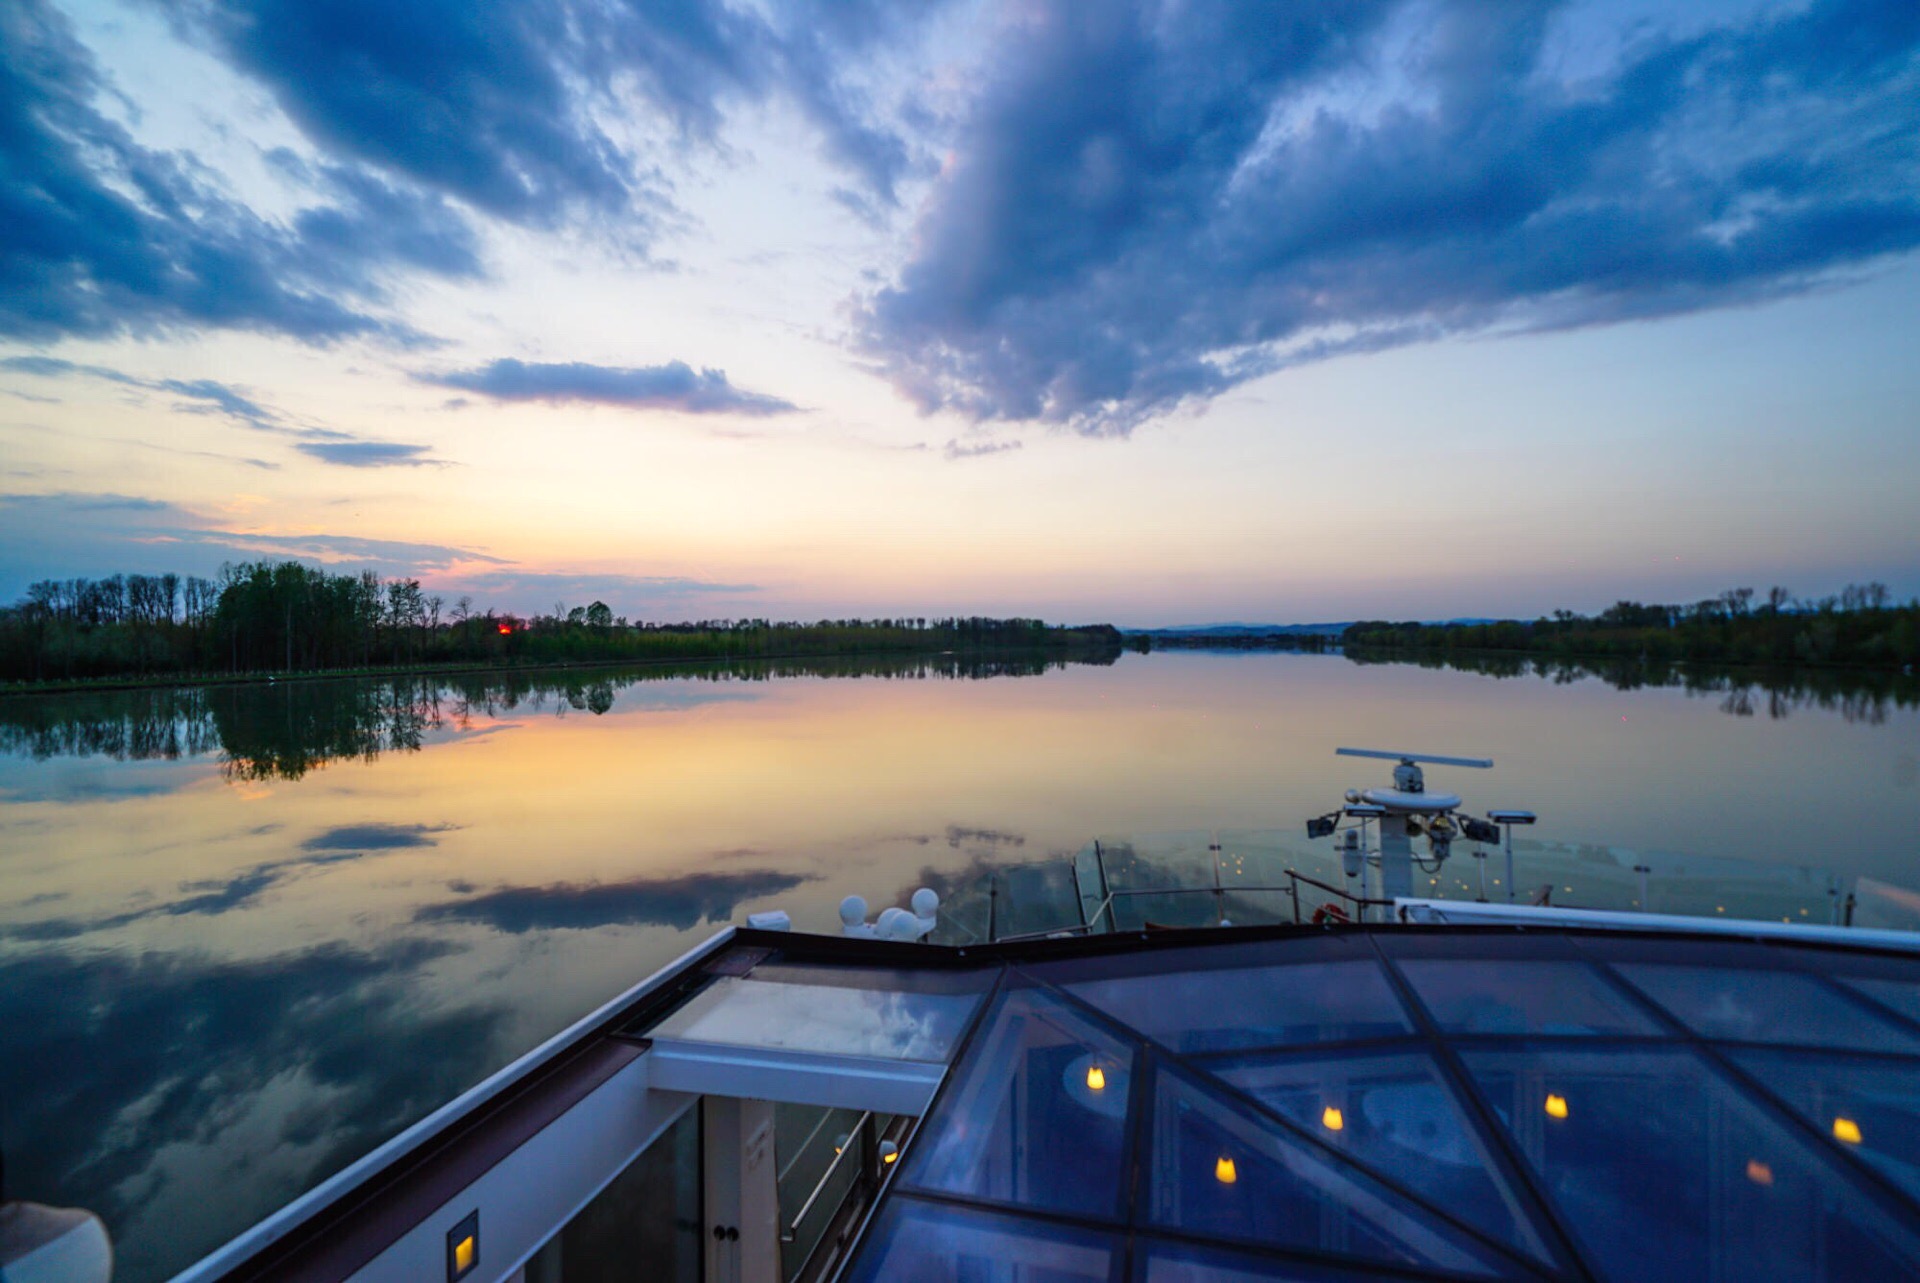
(1595,949)
(366,1217)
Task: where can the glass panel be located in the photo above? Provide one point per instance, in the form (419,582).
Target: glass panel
(1035,898)
(1037,1116)
(1663,1171)
(1222,1171)
(912,1241)
(1523,998)
(1871,1108)
(1200,1011)
(646,1223)
(1767,1006)
(1394,1112)
(1901,995)
(822,1018)
(806,1142)
(1183,1263)
(867,976)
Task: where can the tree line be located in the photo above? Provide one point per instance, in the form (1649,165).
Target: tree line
(1861,625)
(286,617)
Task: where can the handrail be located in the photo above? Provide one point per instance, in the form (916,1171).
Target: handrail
(1297,876)
(1361,903)
(805,1145)
(1106,905)
(856,1139)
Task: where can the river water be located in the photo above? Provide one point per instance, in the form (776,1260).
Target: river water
(246,934)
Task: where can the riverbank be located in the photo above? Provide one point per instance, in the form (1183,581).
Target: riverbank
(1860,627)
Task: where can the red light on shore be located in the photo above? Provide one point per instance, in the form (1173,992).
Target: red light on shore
(505,629)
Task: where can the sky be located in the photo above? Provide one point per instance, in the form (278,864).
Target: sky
(1144,311)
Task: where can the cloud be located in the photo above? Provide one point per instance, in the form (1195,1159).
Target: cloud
(628,594)
(546,114)
(98,534)
(501,105)
(1151,202)
(368,454)
(216,396)
(209,396)
(48,367)
(673,386)
(105,236)
(681,902)
(955,451)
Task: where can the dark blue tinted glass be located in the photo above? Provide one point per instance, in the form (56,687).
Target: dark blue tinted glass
(1766,1006)
(1394,1112)
(912,1241)
(1037,1116)
(1221,1170)
(1901,995)
(1871,1108)
(1665,1172)
(1184,1263)
(1200,1011)
(1523,997)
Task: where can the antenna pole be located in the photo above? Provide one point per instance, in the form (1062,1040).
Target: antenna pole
(1509,832)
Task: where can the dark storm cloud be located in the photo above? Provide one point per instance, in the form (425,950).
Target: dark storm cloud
(368,454)
(1152,202)
(673,386)
(682,902)
(104,236)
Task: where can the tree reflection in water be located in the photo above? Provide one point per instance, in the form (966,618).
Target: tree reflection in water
(283,730)
(1863,696)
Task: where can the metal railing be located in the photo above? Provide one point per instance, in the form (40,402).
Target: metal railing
(1020,907)
(1360,903)
(1110,896)
(859,1140)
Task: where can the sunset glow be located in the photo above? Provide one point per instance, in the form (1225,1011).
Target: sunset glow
(955,313)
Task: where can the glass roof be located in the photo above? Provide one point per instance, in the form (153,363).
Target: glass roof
(883,1014)
(1421,1104)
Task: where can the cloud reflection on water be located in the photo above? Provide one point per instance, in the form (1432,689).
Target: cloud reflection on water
(683,902)
(124,1074)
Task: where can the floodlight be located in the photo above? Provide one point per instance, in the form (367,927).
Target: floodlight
(1512,817)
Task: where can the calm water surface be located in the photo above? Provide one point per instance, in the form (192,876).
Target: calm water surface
(247,934)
